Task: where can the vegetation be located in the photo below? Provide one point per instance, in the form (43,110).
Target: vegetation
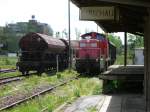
(28,84)
(67,93)
(11,34)
(116,41)
(120,59)
(7,62)
(10,74)
(134,41)
(92,109)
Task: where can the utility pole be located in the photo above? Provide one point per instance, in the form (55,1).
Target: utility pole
(69,34)
(125,48)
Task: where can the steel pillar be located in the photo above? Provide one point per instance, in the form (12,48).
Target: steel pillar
(125,48)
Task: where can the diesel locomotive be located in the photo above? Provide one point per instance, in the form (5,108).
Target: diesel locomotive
(95,53)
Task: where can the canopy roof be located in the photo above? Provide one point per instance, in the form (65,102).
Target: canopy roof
(132,14)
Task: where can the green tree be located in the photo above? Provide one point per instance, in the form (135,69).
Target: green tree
(116,41)
(12,42)
(11,33)
(134,41)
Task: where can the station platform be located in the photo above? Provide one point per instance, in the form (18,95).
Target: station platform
(121,72)
(106,103)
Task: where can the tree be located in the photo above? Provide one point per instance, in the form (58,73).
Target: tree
(12,41)
(134,41)
(116,41)
(13,32)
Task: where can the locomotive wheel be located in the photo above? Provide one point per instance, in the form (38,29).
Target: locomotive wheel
(23,72)
(39,72)
(95,71)
(79,70)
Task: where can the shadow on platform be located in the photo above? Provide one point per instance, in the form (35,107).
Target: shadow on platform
(123,103)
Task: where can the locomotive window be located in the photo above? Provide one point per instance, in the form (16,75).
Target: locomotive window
(93,44)
(82,45)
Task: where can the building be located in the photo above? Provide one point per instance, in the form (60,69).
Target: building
(12,32)
(21,28)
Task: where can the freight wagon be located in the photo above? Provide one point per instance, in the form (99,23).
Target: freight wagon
(39,53)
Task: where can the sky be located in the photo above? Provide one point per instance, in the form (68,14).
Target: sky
(52,12)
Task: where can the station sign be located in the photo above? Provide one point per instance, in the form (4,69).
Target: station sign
(97,13)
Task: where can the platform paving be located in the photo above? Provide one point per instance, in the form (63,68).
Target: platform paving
(106,103)
(123,103)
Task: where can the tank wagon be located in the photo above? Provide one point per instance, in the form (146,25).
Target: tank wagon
(95,53)
(40,52)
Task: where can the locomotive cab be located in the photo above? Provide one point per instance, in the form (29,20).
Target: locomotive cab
(89,55)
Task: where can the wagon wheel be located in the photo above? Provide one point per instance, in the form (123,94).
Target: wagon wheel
(25,72)
(40,71)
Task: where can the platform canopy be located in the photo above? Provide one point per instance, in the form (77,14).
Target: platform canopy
(128,15)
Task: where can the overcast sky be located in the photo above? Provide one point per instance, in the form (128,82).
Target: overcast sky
(53,12)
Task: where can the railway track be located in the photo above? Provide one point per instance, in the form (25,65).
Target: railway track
(10,79)
(7,70)
(6,80)
(13,78)
(8,103)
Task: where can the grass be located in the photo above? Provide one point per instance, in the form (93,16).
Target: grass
(7,62)
(28,84)
(3,75)
(92,109)
(68,93)
(120,60)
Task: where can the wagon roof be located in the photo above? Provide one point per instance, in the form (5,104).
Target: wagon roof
(48,39)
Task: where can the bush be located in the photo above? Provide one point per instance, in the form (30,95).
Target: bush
(76,92)
(97,90)
(58,75)
(7,62)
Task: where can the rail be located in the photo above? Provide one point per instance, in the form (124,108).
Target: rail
(7,70)
(26,97)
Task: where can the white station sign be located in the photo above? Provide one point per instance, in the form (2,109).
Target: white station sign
(97,13)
